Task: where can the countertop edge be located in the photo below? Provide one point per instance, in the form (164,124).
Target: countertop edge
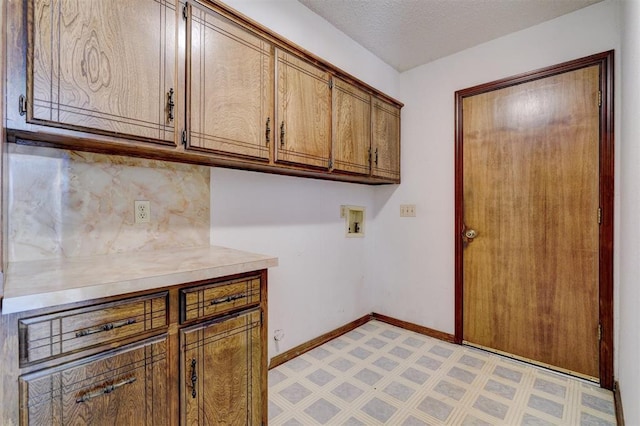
(122,287)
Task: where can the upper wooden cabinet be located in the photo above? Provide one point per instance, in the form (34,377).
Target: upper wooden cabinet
(385,140)
(351,122)
(304,112)
(230,73)
(103,66)
(193,82)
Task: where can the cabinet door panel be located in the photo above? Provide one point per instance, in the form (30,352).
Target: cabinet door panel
(222,367)
(351,128)
(386,140)
(103,66)
(121,388)
(304,113)
(231,93)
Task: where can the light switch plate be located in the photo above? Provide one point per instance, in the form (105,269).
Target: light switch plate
(407,210)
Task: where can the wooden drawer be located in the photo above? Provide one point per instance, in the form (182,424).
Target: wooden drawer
(213,299)
(124,387)
(60,333)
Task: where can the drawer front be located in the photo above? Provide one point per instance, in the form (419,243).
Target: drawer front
(213,299)
(125,387)
(57,334)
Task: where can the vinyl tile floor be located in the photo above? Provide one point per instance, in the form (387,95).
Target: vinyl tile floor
(379,374)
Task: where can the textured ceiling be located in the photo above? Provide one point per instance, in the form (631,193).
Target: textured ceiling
(408,33)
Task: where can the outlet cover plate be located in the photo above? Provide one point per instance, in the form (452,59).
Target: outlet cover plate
(142,211)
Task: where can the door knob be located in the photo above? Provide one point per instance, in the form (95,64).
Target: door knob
(470,234)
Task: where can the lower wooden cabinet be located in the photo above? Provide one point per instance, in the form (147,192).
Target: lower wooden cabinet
(125,387)
(222,370)
(190,365)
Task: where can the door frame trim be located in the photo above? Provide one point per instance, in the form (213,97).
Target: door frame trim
(606,185)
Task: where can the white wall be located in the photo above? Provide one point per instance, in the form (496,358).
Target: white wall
(404,267)
(628,348)
(414,268)
(320,282)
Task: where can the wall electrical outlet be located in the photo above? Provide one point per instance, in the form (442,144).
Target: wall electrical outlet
(407,210)
(142,211)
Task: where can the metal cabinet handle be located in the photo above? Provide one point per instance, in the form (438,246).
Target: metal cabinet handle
(282,134)
(105,327)
(170,104)
(22,105)
(228,298)
(267,132)
(194,378)
(105,390)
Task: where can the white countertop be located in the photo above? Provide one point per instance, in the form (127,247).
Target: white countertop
(45,283)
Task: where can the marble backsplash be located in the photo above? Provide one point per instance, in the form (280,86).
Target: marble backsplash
(64,204)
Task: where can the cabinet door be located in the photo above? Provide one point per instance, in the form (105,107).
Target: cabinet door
(222,372)
(231,95)
(103,66)
(126,387)
(385,144)
(351,128)
(304,112)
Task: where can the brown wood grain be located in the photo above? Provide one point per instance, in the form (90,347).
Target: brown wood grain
(117,126)
(531,192)
(54,335)
(231,87)
(303,125)
(105,66)
(107,361)
(351,123)
(215,299)
(385,140)
(227,359)
(75,394)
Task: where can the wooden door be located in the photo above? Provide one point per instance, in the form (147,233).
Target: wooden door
(385,142)
(221,372)
(531,194)
(126,387)
(304,112)
(351,123)
(103,66)
(231,87)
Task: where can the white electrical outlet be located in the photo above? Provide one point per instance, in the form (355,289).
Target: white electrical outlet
(142,211)
(407,210)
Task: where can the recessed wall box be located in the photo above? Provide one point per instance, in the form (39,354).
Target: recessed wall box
(354,217)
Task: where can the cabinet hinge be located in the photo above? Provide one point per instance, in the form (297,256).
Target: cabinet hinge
(599,332)
(22,105)
(184,138)
(330,163)
(185,11)
(331,83)
(599,98)
(599,215)
(261,317)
